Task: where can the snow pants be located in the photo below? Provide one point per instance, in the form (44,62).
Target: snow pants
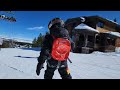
(62,67)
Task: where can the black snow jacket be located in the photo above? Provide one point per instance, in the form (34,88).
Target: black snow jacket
(48,41)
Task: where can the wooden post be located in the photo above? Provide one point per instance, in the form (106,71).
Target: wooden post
(86,40)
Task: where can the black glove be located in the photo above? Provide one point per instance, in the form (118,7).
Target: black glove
(38,68)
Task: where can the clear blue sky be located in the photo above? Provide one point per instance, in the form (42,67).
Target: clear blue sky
(31,23)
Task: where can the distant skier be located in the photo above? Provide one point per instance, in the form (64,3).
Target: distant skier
(55,49)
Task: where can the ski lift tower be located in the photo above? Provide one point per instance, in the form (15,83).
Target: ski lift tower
(8,18)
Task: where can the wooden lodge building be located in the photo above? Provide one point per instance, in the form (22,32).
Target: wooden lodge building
(96,34)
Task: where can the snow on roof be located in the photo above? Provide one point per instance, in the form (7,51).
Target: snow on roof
(114,33)
(112,21)
(84,26)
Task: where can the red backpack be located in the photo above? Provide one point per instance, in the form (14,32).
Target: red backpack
(61,49)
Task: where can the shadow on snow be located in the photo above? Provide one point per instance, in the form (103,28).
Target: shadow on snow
(25,57)
(35,49)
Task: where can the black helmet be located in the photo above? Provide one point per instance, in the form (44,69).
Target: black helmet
(56,22)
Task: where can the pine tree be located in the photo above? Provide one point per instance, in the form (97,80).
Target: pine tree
(34,42)
(47,33)
(39,40)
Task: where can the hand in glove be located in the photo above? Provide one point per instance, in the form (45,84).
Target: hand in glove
(38,68)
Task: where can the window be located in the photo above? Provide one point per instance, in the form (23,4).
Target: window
(97,39)
(110,41)
(100,24)
(90,38)
(90,42)
(81,37)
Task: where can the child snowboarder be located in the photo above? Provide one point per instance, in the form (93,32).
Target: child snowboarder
(51,52)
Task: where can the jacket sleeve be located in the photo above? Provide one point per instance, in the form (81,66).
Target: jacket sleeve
(45,50)
(72,44)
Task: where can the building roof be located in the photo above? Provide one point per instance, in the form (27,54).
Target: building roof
(111,22)
(117,34)
(71,23)
(84,26)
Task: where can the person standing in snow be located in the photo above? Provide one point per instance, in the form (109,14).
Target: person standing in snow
(57,30)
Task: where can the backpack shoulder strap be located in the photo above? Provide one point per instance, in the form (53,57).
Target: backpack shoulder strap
(53,36)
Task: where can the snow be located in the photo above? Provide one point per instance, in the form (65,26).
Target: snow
(22,40)
(84,26)
(16,39)
(21,64)
(112,21)
(117,49)
(1,41)
(114,33)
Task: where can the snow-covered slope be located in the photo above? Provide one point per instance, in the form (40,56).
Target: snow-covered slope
(21,64)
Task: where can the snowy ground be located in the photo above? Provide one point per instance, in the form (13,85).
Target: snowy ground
(21,64)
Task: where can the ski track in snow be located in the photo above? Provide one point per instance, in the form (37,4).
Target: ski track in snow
(21,64)
(22,72)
